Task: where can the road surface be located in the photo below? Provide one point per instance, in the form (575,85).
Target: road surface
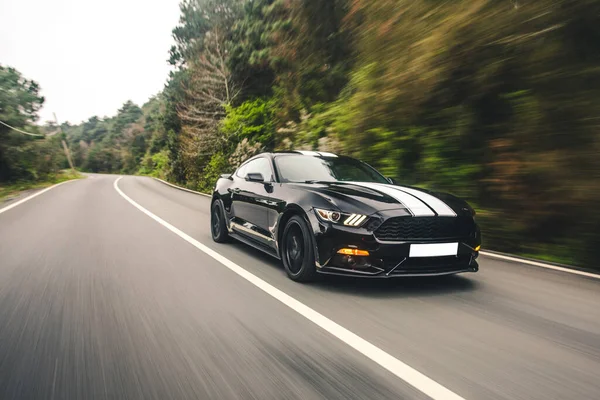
(100,301)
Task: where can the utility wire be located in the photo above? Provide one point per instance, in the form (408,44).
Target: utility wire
(64,144)
(18,130)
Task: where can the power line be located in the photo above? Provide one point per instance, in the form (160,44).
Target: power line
(18,130)
(64,144)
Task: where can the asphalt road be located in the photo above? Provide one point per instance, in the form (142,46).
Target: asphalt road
(99,301)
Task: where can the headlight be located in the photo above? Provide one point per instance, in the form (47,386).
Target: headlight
(330,216)
(338,217)
(355,220)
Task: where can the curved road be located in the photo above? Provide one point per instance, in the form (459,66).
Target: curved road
(99,301)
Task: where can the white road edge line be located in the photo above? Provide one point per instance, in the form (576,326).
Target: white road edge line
(403,371)
(539,264)
(182,188)
(32,196)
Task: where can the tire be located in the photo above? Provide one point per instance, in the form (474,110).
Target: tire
(218,228)
(298,251)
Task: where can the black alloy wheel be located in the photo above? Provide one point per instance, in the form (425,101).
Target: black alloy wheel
(297,250)
(218,228)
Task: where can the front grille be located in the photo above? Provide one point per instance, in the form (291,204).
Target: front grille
(424,228)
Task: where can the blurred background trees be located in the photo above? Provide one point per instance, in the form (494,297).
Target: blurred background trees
(495,101)
(23,157)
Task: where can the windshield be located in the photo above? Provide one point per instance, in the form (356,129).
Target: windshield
(307,169)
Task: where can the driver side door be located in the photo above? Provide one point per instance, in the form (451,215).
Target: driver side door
(250,199)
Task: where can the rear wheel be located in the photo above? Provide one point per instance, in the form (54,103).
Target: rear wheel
(297,250)
(218,228)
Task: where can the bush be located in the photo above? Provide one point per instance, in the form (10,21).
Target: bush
(217,165)
(156,165)
(252,120)
(243,151)
(28,159)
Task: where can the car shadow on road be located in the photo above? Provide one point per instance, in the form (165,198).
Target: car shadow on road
(377,287)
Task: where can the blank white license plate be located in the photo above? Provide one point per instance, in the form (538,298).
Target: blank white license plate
(433,250)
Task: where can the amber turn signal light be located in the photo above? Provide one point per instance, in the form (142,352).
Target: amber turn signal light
(353,252)
(477,248)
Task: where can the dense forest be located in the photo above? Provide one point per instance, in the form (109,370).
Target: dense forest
(494,101)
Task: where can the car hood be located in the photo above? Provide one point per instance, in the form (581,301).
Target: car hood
(368,198)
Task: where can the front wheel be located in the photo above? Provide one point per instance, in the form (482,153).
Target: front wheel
(297,251)
(218,228)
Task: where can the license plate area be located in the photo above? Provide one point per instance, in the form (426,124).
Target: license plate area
(433,250)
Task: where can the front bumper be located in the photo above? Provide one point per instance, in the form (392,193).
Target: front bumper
(388,259)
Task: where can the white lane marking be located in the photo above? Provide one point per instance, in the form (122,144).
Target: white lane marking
(403,371)
(438,205)
(539,264)
(182,188)
(417,207)
(32,196)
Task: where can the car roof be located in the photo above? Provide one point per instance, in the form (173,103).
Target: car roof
(274,154)
(305,153)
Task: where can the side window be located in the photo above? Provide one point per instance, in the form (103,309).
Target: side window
(261,166)
(241,172)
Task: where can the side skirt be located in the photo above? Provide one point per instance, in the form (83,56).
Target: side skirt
(254,244)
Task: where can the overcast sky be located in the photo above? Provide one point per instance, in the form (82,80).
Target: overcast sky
(89,56)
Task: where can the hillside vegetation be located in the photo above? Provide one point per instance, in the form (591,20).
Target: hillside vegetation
(494,101)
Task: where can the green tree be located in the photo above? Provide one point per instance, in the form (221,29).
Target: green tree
(22,157)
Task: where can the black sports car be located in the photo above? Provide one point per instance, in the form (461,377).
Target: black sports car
(328,214)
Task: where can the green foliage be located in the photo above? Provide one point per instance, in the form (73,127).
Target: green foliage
(250,48)
(243,151)
(311,55)
(156,165)
(128,114)
(312,131)
(19,98)
(24,158)
(252,120)
(119,144)
(215,167)
(490,102)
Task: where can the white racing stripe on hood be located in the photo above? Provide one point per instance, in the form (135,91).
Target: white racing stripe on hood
(441,208)
(417,207)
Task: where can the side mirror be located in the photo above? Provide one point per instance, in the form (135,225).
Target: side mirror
(391,180)
(255,177)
